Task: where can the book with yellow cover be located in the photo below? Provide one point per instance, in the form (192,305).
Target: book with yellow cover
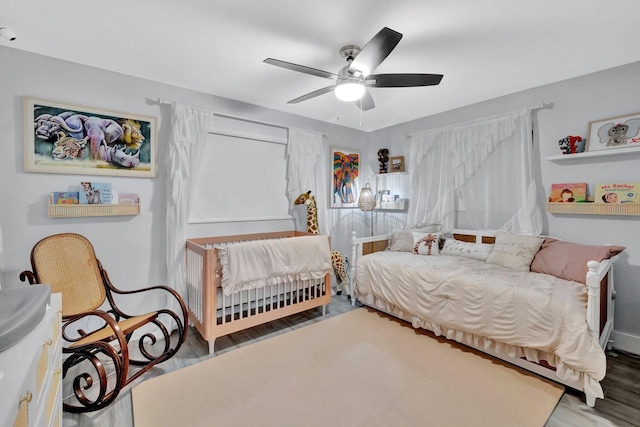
(574,192)
(617,193)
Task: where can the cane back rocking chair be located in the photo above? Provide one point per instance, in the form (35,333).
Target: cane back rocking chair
(98,360)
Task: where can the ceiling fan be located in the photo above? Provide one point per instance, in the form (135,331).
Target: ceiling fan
(353,80)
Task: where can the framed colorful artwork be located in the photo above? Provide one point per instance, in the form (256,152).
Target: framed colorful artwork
(73,139)
(345,164)
(614,133)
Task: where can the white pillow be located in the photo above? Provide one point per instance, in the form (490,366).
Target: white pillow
(402,240)
(426,243)
(514,251)
(478,251)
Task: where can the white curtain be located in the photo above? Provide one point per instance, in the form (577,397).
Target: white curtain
(431,180)
(481,171)
(189,128)
(306,171)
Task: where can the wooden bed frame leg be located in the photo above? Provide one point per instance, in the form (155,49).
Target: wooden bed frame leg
(591,401)
(212,343)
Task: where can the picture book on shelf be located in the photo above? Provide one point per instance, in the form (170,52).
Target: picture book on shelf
(575,192)
(617,193)
(64,197)
(128,198)
(95,193)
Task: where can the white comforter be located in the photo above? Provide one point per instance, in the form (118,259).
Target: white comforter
(259,263)
(518,314)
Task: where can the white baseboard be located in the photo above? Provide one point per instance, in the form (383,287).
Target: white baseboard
(626,342)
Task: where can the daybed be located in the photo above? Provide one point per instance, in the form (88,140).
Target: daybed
(237,282)
(521,299)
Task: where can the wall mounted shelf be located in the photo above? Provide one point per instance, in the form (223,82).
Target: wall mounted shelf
(594,154)
(398,205)
(594,208)
(396,183)
(69,211)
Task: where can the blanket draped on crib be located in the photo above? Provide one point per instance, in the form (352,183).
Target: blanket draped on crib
(260,263)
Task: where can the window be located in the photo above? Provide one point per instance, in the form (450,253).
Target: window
(242,176)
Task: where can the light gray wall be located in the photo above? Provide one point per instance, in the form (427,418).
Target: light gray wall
(576,101)
(131,248)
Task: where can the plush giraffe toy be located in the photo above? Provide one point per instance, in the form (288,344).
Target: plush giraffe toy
(337,260)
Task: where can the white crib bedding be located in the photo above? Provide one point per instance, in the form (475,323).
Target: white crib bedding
(519,314)
(258,263)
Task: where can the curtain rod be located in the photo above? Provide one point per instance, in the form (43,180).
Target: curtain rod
(244,119)
(542,106)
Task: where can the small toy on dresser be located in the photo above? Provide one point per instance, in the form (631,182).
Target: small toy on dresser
(572,145)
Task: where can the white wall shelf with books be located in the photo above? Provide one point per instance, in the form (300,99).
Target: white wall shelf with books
(396,183)
(594,208)
(593,154)
(80,210)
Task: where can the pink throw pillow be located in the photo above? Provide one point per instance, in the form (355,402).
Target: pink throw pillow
(568,260)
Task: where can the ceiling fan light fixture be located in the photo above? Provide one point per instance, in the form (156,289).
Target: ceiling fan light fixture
(349,91)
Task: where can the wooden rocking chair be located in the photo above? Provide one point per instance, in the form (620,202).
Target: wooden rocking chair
(67,263)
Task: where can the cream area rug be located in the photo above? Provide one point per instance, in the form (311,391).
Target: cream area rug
(360,368)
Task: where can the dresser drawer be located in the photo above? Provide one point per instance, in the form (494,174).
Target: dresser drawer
(30,377)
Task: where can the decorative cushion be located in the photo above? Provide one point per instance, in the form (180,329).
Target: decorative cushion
(479,251)
(568,260)
(402,240)
(514,251)
(426,243)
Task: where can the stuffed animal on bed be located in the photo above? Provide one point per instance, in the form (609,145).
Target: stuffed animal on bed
(572,145)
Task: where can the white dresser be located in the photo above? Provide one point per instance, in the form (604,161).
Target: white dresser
(31,375)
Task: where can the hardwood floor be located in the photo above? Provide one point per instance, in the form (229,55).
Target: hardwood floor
(621,406)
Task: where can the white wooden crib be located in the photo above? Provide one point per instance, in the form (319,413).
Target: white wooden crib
(215,314)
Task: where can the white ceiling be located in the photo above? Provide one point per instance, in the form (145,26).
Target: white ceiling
(485,49)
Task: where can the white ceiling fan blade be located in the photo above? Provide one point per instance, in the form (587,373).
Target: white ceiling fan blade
(312,94)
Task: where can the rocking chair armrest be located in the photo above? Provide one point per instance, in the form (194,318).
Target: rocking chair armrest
(151,288)
(112,288)
(110,323)
(171,291)
(28,276)
(178,298)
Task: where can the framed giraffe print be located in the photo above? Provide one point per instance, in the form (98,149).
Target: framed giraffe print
(345,166)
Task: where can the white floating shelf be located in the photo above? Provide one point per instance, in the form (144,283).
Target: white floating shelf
(592,154)
(398,205)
